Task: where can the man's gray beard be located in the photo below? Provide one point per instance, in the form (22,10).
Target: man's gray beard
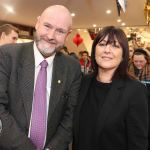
(53,51)
(57,49)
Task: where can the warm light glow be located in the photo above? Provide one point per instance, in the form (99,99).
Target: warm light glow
(123,24)
(94,25)
(9,8)
(108,11)
(147,11)
(73,14)
(118,20)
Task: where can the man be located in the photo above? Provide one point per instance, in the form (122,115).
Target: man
(20,70)
(8,34)
(85,63)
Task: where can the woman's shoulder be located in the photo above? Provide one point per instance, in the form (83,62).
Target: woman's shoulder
(132,81)
(135,85)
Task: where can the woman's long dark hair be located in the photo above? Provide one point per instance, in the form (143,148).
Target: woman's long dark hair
(112,33)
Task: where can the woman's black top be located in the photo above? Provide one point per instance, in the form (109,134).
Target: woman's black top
(89,114)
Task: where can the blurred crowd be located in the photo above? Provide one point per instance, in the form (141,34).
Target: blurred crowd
(139,61)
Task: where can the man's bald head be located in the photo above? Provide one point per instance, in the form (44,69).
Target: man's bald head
(52,28)
(58,11)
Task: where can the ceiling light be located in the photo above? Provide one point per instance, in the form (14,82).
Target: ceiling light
(99,29)
(94,25)
(123,24)
(9,8)
(73,14)
(119,20)
(108,11)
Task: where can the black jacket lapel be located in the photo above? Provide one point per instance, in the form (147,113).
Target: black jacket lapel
(26,78)
(85,84)
(58,82)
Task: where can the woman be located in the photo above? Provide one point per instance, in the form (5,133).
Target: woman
(140,66)
(112,111)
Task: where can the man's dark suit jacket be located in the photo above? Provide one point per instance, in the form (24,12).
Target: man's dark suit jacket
(123,121)
(16,95)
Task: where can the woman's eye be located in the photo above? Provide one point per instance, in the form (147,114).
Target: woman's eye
(101,44)
(116,46)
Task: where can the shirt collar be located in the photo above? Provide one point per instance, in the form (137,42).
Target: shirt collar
(39,58)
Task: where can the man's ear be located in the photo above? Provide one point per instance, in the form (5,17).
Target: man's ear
(37,23)
(3,35)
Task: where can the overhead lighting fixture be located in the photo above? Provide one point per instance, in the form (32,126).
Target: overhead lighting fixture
(94,25)
(9,8)
(108,11)
(99,29)
(73,14)
(123,24)
(119,20)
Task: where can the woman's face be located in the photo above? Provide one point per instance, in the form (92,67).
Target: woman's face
(139,61)
(108,56)
(131,51)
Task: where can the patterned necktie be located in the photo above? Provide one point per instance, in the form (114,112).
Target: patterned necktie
(38,121)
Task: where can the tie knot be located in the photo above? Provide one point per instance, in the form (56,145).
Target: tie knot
(44,64)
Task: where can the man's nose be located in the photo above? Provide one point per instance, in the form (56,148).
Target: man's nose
(51,34)
(138,63)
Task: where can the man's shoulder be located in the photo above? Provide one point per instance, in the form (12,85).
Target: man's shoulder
(13,49)
(68,60)
(15,46)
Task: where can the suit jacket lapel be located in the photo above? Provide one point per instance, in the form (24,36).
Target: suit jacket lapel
(111,100)
(58,82)
(83,92)
(26,78)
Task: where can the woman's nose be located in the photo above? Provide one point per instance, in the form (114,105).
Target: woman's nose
(108,48)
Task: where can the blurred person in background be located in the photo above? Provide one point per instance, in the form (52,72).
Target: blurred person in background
(80,54)
(131,51)
(112,110)
(8,34)
(140,66)
(74,55)
(85,63)
(64,50)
